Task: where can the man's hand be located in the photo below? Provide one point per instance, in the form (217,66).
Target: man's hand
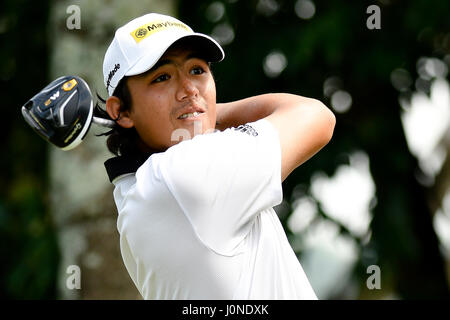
(304,125)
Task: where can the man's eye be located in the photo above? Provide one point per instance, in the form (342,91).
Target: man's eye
(161,78)
(197,70)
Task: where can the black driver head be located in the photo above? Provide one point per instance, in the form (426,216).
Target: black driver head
(62,112)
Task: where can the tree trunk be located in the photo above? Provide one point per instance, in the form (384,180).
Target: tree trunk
(81,196)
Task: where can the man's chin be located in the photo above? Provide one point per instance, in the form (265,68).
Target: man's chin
(191,129)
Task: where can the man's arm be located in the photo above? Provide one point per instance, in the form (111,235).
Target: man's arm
(304,125)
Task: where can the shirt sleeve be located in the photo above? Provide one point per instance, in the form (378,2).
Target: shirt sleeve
(223,180)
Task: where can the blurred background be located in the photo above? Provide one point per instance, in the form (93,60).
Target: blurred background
(368,216)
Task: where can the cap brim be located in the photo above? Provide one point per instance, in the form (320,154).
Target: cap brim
(209,49)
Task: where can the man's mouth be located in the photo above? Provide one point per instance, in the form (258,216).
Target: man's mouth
(189,115)
(190,111)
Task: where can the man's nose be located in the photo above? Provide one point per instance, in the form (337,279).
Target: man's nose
(187,89)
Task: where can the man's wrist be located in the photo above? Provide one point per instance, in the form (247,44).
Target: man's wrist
(221,117)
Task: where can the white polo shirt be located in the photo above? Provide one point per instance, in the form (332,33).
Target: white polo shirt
(196,221)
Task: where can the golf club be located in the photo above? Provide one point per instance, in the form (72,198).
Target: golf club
(62,112)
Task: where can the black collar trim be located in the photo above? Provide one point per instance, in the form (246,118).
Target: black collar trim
(118,166)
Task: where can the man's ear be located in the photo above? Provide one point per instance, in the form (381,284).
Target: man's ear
(113,109)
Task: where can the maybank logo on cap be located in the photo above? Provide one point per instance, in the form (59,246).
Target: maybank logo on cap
(148,29)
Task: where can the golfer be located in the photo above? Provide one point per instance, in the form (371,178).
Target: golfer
(195,180)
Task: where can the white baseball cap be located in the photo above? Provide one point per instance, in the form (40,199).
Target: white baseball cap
(140,43)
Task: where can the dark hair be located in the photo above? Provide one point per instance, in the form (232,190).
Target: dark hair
(121,141)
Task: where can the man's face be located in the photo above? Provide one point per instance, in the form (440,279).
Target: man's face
(176,98)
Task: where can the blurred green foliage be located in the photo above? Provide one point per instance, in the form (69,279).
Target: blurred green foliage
(29,252)
(336,42)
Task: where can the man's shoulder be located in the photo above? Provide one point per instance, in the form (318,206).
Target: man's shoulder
(192,149)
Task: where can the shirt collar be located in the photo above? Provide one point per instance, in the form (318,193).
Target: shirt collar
(121,165)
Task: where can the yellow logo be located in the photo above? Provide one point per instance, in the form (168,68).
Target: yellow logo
(140,33)
(150,28)
(69,85)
